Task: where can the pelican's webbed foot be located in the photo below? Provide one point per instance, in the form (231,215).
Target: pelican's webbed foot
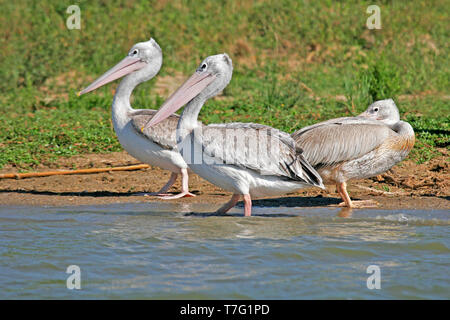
(358,204)
(179,195)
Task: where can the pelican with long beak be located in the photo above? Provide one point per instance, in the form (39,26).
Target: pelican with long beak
(357,147)
(248,159)
(157,145)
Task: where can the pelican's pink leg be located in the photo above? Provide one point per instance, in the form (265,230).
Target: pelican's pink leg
(162,192)
(184,187)
(247,205)
(230,204)
(342,190)
(172,179)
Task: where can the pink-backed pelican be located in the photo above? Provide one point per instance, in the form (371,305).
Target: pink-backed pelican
(357,147)
(244,158)
(157,145)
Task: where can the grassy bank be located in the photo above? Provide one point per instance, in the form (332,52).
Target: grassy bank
(295,63)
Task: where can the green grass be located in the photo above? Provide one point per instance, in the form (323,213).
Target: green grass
(279,48)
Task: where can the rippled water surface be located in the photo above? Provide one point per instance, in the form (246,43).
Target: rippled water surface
(161,251)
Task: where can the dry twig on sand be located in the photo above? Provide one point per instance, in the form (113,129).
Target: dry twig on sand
(64,172)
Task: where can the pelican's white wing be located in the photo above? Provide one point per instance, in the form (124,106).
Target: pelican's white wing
(330,142)
(260,148)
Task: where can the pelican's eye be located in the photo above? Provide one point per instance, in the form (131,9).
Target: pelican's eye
(135,52)
(203,67)
(375,109)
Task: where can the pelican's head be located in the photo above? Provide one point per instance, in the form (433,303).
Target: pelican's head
(219,67)
(143,61)
(383,110)
(211,77)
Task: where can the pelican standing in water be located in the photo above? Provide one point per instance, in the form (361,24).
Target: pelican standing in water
(357,147)
(155,146)
(244,158)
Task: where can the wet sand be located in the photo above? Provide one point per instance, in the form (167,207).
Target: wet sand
(407,186)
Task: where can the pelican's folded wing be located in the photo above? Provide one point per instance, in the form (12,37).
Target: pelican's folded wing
(342,120)
(237,125)
(163,134)
(260,148)
(331,142)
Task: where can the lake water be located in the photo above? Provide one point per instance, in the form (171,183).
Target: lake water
(161,251)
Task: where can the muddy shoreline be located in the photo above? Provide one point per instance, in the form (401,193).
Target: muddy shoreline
(406,186)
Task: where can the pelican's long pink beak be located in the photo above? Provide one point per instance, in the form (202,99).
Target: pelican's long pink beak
(189,90)
(365,114)
(369,116)
(124,67)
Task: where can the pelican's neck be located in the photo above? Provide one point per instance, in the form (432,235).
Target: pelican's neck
(189,117)
(404,129)
(121,106)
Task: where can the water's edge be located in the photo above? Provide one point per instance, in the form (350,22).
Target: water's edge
(166,250)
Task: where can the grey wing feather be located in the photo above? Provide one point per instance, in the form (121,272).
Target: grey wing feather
(163,134)
(259,148)
(332,142)
(285,137)
(342,120)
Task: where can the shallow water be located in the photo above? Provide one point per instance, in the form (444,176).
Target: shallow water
(160,251)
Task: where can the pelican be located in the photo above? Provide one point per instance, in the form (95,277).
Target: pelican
(245,158)
(357,147)
(157,146)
